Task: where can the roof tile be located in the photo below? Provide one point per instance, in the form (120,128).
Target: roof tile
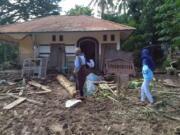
(64,24)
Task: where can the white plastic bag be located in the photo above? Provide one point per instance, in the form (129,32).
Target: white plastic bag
(72,102)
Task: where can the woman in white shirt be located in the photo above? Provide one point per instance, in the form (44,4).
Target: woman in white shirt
(90,63)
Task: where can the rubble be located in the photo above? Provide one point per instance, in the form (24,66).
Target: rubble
(107,111)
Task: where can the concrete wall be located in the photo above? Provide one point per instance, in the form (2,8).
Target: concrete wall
(72,38)
(25,48)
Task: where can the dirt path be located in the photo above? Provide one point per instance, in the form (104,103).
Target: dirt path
(95,116)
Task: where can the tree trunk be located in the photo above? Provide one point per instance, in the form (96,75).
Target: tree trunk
(69,86)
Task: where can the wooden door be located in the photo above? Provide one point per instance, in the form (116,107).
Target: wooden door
(57,57)
(108,52)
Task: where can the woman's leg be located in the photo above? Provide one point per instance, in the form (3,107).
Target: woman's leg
(142,93)
(147,91)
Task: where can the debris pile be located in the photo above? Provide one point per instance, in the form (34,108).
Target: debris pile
(38,107)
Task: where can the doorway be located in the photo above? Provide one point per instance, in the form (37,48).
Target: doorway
(89,46)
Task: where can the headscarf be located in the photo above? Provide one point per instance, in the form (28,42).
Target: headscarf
(147,59)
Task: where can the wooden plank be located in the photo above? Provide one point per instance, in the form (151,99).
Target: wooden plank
(45,88)
(15,103)
(39,92)
(29,100)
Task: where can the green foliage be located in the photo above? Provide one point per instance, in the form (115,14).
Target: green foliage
(102,4)
(123,19)
(8,52)
(135,9)
(156,22)
(19,10)
(80,10)
(168,25)
(141,16)
(165,64)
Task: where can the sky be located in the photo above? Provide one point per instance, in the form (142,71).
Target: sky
(68,4)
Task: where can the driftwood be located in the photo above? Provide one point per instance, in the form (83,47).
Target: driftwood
(13,104)
(69,86)
(29,100)
(46,90)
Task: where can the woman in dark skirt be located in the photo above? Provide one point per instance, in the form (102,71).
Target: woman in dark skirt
(80,71)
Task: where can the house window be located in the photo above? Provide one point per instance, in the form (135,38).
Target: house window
(104,37)
(112,37)
(53,37)
(44,50)
(61,38)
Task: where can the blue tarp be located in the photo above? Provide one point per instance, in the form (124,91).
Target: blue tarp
(90,86)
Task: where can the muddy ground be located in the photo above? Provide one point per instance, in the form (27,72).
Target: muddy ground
(98,115)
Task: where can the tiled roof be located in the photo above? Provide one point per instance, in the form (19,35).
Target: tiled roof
(64,24)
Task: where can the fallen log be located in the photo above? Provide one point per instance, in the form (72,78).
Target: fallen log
(45,88)
(13,104)
(69,86)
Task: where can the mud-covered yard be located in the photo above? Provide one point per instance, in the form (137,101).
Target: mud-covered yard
(97,115)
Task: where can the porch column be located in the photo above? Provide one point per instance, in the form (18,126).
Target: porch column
(35,46)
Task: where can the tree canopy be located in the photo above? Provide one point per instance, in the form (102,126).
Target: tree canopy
(20,10)
(80,10)
(168,23)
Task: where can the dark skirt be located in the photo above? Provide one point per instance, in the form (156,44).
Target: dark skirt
(81,78)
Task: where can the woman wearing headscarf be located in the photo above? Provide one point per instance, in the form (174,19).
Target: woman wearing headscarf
(80,71)
(148,67)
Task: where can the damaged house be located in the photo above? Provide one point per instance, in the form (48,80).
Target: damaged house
(55,38)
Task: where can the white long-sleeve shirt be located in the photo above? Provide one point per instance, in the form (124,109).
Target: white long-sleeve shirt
(91,63)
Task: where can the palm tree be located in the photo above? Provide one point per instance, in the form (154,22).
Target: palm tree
(122,5)
(103,4)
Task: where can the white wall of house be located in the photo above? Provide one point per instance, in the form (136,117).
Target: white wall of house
(45,40)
